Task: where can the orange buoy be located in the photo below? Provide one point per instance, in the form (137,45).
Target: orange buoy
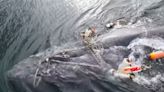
(156,55)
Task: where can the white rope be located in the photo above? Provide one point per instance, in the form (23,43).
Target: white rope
(37,78)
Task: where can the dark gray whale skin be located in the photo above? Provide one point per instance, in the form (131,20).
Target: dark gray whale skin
(65,75)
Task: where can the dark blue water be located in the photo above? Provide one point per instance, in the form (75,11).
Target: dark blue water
(31,26)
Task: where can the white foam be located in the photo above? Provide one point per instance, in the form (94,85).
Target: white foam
(157,43)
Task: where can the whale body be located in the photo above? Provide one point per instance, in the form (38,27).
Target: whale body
(78,70)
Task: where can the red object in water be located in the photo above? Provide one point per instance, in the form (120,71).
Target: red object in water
(133,69)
